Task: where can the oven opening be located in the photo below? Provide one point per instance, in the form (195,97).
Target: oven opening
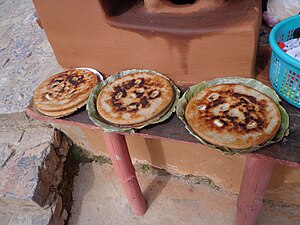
(182,2)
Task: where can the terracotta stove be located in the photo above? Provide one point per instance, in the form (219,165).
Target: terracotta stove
(188,40)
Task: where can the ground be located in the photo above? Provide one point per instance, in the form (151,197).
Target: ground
(99,199)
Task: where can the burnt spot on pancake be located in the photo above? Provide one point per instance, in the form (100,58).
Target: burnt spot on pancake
(242,125)
(118,105)
(118,93)
(117,88)
(243,100)
(128,84)
(62,90)
(140,82)
(154,94)
(213,97)
(70,80)
(246,114)
(57,80)
(64,83)
(243,96)
(75,80)
(251,111)
(217,102)
(248,119)
(260,122)
(116,96)
(138,95)
(133,107)
(124,93)
(144,102)
(224,122)
(73,92)
(53,84)
(230,118)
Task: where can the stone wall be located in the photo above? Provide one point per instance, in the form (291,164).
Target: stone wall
(32,157)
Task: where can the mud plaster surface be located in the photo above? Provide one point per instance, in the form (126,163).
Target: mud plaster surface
(187,49)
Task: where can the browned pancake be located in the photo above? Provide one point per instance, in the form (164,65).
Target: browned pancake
(64,92)
(134,99)
(62,113)
(233,115)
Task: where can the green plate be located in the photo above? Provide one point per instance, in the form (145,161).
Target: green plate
(99,121)
(189,94)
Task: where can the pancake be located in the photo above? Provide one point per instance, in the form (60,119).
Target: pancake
(134,99)
(62,113)
(233,115)
(66,91)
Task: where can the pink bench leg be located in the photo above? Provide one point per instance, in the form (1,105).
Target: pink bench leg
(255,180)
(118,151)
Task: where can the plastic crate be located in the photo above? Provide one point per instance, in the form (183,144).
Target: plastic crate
(284,69)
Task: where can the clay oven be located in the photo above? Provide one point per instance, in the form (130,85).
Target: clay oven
(188,40)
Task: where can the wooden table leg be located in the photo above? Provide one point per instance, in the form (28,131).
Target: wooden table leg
(255,181)
(118,151)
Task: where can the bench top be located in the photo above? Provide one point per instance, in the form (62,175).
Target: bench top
(286,152)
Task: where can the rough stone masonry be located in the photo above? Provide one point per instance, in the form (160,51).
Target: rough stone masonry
(32,156)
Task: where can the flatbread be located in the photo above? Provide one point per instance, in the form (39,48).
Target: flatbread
(62,113)
(233,115)
(134,99)
(65,91)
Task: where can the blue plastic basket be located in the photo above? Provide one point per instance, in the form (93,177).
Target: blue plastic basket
(284,69)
